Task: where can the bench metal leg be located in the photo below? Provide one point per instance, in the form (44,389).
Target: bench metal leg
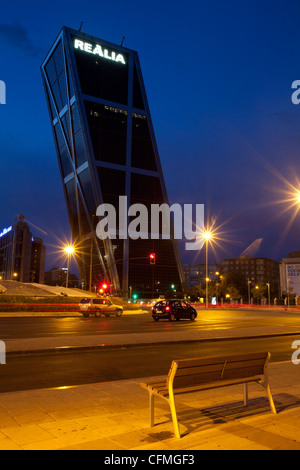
(245,394)
(151,403)
(270,397)
(266,385)
(174,416)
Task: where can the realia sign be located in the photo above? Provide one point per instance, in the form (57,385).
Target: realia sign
(99,51)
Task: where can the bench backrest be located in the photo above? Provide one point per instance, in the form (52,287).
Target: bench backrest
(189,372)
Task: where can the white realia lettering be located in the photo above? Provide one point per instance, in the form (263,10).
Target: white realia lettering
(99,50)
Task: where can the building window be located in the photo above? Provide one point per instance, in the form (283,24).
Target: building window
(108,129)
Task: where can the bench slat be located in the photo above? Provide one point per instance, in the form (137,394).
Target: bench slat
(182,363)
(153,385)
(202,369)
(164,392)
(195,379)
(212,369)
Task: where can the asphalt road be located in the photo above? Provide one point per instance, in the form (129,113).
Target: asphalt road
(40,327)
(67,369)
(75,368)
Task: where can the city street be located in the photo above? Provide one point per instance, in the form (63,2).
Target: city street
(76,368)
(68,367)
(40,327)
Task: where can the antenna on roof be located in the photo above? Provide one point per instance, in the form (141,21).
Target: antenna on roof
(80,26)
(22,218)
(122,41)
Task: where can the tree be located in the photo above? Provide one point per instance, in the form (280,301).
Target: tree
(234,293)
(237,280)
(194,292)
(259,291)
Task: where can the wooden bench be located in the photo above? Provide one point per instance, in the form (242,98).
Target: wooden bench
(194,375)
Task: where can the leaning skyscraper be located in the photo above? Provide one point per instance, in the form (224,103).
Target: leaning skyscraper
(106,148)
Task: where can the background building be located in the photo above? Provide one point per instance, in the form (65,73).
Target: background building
(58,277)
(22,256)
(38,257)
(257,270)
(290,274)
(106,148)
(195,275)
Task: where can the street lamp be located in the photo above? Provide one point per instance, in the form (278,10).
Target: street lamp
(249,291)
(207,237)
(269,294)
(69,250)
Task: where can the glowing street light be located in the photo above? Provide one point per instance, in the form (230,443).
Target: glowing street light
(69,250)
(211,235)
(207,237)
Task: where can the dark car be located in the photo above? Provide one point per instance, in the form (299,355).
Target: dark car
(173,310)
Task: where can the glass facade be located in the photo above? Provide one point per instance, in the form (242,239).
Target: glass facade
(106,148)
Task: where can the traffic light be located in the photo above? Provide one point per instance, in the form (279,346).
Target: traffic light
(103,288)
(172,286)
(152,258)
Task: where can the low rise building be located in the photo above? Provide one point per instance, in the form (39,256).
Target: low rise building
(257,270)
(195,275)
(22,256)
(58,277)
(290,274)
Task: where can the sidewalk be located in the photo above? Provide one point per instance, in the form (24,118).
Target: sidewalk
(114,416)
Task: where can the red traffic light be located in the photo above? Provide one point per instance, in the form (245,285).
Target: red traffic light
(152,258)
(104,286)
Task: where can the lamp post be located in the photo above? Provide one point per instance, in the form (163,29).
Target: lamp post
(249,291)
(69,250)
(269,294)
(217,292)
(207,236)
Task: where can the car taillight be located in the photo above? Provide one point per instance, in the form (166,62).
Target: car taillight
(167,309)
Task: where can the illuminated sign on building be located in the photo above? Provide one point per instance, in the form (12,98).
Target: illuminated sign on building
(98,50)
(5,231)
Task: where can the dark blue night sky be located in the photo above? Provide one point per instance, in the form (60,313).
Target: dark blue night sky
(218,77)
